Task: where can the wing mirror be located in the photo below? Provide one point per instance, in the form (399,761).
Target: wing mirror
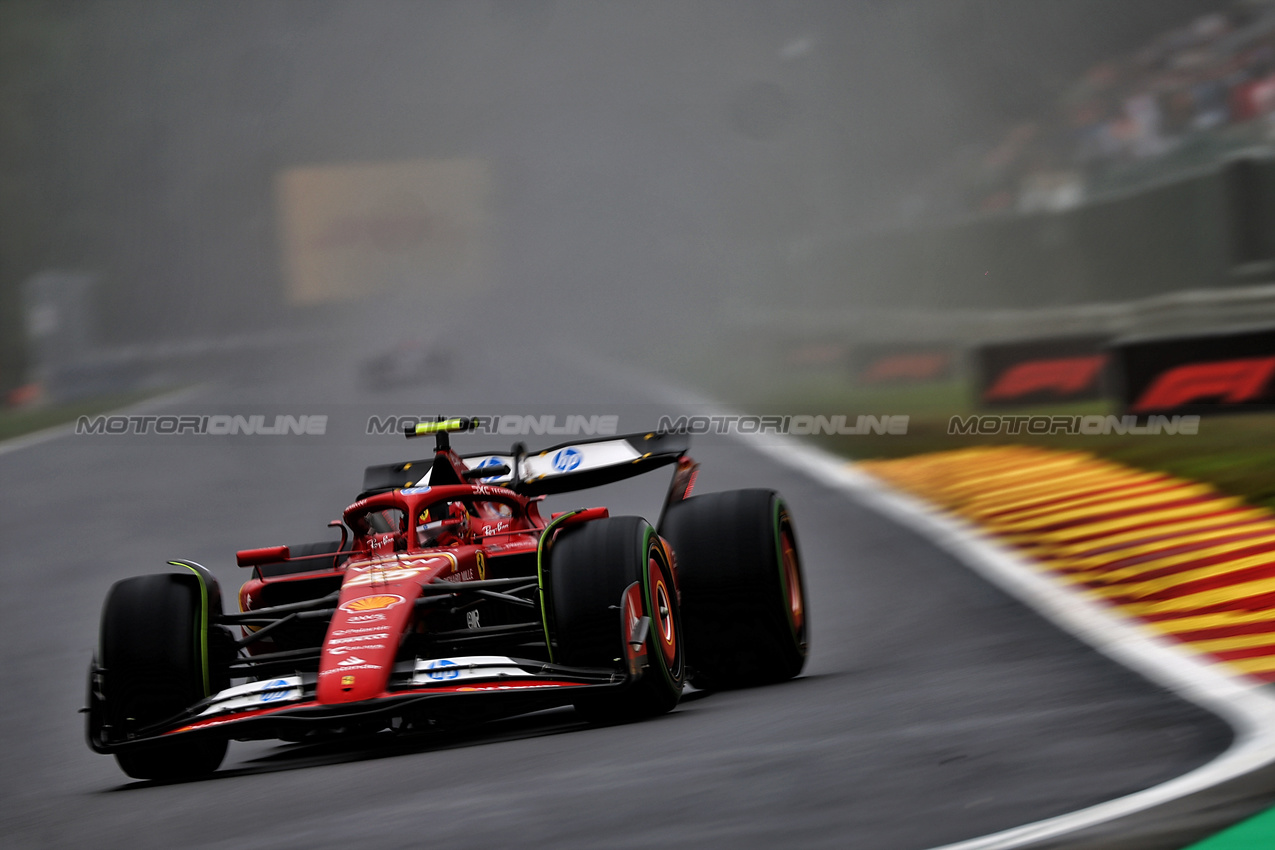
(266,555)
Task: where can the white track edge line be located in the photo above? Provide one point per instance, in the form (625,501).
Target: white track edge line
(1246,705)
(66,429)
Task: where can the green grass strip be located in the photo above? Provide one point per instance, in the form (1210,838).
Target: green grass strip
(540,574)
(1256,833)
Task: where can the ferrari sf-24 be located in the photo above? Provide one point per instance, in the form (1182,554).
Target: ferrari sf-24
(449,599)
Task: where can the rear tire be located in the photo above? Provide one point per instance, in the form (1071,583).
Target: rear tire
(742,587)
(151,649)
(591,566)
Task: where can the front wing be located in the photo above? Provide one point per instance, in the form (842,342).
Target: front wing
(462,687)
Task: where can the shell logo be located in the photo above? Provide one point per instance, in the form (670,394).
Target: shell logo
(371,603)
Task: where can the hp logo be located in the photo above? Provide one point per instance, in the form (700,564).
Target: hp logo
(442,669)
(567,459)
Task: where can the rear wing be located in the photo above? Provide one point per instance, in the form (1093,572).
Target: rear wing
(592,463)
(577,465)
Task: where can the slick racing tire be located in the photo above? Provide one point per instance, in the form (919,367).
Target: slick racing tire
(591,566)
(743,590)
(152,653)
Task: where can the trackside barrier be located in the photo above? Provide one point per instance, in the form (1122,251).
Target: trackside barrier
(893,364)
(1035,371)
(1227,372)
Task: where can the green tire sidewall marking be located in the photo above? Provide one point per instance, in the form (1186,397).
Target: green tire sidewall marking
(201,625)
(540,574)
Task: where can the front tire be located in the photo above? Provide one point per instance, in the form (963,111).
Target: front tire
(591,566)
(743,588)
(152,650)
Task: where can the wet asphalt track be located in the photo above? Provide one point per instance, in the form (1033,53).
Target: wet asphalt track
(933,709)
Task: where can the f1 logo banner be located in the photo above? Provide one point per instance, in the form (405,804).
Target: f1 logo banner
(1041,371)
(1213,373)
(882,365)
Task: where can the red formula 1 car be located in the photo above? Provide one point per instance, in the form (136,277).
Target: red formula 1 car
(450,599)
